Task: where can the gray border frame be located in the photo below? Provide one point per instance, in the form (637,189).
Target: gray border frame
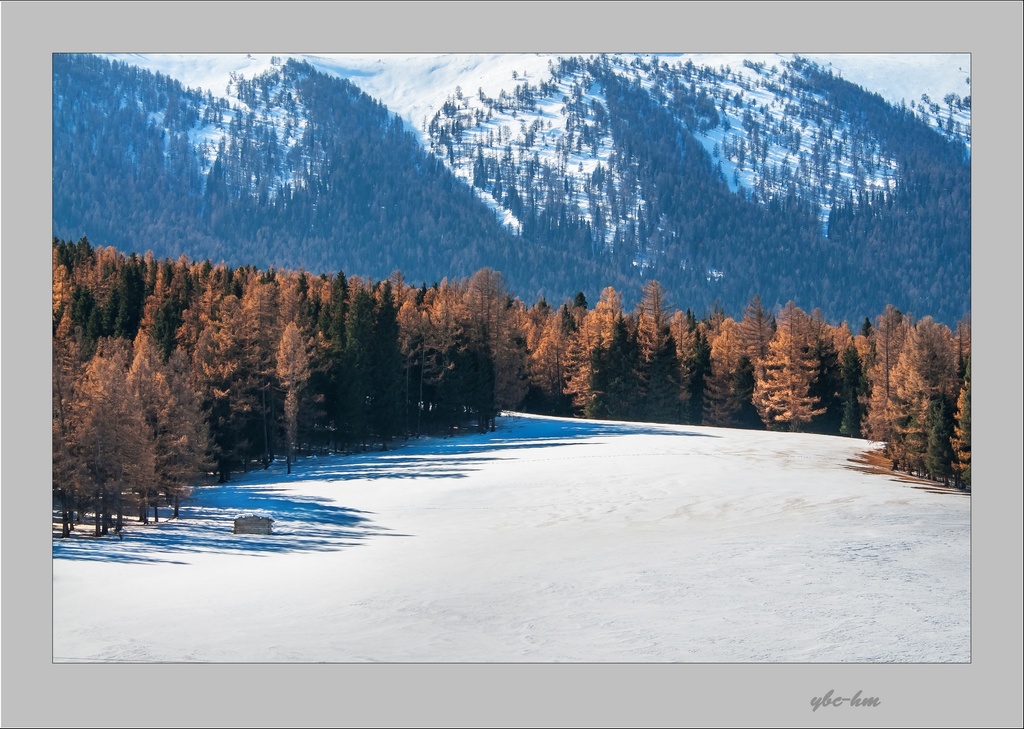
(38,693)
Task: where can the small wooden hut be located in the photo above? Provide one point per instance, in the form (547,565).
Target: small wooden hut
(253,524)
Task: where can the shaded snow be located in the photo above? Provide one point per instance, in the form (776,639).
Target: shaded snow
(548,540)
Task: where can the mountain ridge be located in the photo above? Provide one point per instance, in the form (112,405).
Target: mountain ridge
(787,148)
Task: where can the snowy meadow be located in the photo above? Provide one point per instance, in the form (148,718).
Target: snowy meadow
(549,540)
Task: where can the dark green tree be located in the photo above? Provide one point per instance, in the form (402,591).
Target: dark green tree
(663,390)
(387,376)
(699,366)
(939,456)
(853,389)
(359,365)
(614,379)
(962,432)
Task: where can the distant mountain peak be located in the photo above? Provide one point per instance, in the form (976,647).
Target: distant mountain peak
(723,177)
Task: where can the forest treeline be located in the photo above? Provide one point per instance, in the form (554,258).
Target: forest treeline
(166,372)
(590,169)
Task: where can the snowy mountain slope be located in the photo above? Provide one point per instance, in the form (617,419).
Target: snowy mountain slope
(548,540)
(769,177)
(417,87)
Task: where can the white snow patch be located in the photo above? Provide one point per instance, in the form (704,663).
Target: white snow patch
(548,540)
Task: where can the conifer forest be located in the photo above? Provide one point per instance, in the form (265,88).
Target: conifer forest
(168,373)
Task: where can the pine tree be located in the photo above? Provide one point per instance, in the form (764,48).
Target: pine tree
(961,442)
(659,376)
(614,382)
(722,401)
(924,372)
(386,380)
(175,427)
(149,387)
(939,456)
(446,340)
(755,332)
(662,387)
(548,359)
(292,372)
(827,385)
(783,394)
(650,320)
(962,432)
(260,333)
(359,368)
(854,387)
(697,368)
(412,327)
(217,363)
(579,356)
(889,336)
(66,376)
(114,445)
(183,450)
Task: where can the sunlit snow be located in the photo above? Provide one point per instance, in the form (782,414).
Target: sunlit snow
(415,85)
(548,540)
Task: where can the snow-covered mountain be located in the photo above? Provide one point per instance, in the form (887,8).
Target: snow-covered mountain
(415,86)
(421,88)
(724,177)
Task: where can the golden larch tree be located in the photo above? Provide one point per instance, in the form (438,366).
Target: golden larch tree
(292,372)
(782,392)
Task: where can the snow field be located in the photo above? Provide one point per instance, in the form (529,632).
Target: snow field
(548,540)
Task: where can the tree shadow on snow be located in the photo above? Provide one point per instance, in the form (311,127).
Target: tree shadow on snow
(304,523)
(301,524)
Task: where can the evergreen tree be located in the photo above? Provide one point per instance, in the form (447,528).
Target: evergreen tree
(939,456)
(924,372)
(260,334)
(548,362)
(217,363)
(698,368)
(962,432)
(387,374)
(614,382)
(826,387)
(359,368)
(854,388)
(663,400)
(890,334)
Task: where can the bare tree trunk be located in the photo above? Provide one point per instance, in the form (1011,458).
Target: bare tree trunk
(65,517)
(266,435)
(419,405)
(407,366)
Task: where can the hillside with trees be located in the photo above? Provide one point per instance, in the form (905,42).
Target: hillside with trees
(782,182)
(169,372)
